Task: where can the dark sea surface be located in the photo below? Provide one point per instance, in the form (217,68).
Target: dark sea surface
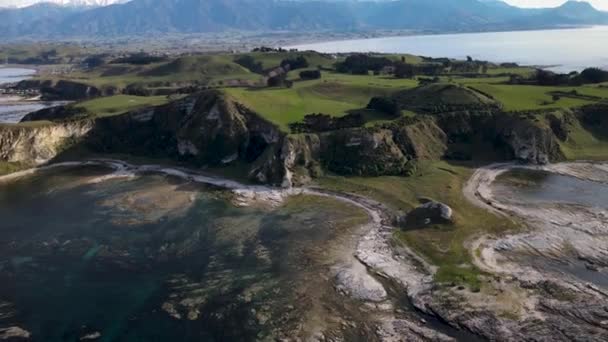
(155,258)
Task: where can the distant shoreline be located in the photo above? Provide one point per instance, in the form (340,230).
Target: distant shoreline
(407,33)
(555,50)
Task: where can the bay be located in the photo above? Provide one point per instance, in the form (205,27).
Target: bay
(562,50)
(12,108)
(11,75)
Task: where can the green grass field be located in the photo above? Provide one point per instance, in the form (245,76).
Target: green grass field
(410,59)
(522,71)
(479,80)
(205,69)
(274,59)
(334,94)
(584,143)
(212,70)
(526,97)
(119,104)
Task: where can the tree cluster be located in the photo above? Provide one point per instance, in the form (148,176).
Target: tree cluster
(299,62)
(316,123)
(250,63)
(594,76)
(361,64)
(404,70)
(549,78)
(310,74)
(269,49)
(385,105)
(138,59)
(94,61)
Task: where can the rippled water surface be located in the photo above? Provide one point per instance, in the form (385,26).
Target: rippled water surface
(153,258)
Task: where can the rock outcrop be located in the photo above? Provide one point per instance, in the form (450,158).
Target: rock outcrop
(529,142)
(420,138)
(499,136)
(429,213)
(207,128)
(34,145)
(363,152)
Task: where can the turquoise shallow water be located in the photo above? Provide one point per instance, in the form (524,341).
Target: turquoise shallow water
(152,259)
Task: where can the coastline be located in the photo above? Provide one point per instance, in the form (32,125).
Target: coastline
(365,264)
(547,225)
(496,47)
(15,104)
(380,34)
(378,275)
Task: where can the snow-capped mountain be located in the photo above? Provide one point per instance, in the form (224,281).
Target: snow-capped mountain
(75,3)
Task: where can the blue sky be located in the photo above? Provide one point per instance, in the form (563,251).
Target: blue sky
(599,4)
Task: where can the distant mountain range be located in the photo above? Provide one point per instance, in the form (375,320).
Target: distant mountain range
(197,16)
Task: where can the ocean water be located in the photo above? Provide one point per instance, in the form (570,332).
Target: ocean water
(12,111)
(561,50)
(10,75)
(155,258)
(545,187)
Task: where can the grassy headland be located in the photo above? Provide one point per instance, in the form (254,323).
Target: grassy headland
(118,104)
(417,87)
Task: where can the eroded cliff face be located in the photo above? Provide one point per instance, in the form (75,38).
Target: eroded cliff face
(295,161)
(35,145)
(380,151)
(363,152)
(208,128)
(530,143)
(211,129)
(394,149)
(500,136)
(204,129)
